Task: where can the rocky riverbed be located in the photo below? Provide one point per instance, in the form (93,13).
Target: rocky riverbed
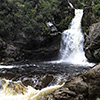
(83,87)
(80,82)
(39,69)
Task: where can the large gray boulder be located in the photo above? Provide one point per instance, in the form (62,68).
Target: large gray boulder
(92,43)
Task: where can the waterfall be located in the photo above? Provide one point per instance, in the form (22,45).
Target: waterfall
(71,50)
(72,43)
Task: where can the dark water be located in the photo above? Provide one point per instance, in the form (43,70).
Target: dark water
(60,71)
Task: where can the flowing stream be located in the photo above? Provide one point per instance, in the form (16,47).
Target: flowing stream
(71,52)
(20,92)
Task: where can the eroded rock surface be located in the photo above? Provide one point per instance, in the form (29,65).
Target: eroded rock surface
(92,77)
(83,87)
(27,81)
(44,81)
(92,44)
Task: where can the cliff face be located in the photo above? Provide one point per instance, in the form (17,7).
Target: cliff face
(92,44)
(36,48)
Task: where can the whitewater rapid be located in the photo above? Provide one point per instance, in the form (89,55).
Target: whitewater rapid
(17,91)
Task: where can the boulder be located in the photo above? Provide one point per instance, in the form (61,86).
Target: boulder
(9,53)
(83,87)
(92,43)
(75,89)
(92,77)
(77,85)
(12,53)
(27,81)
(44,81)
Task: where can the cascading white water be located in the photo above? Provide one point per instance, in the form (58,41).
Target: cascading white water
(17,91)
(71,50)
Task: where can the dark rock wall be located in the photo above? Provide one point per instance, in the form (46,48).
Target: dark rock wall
(92,43)
(36,48)
(42,47)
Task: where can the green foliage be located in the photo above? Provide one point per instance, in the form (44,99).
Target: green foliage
(78,3)
(65,23)
(96,11)
(29,16)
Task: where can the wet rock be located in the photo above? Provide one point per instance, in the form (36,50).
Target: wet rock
(78,85)
(83,87)
(49,97)
(64,93)
(9,53)
(1,85)
(10,50)
(92,44)
(27,81)
(61,94)
(79,97)
(92,73)
(76,89)
(44,81)
(92,77)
